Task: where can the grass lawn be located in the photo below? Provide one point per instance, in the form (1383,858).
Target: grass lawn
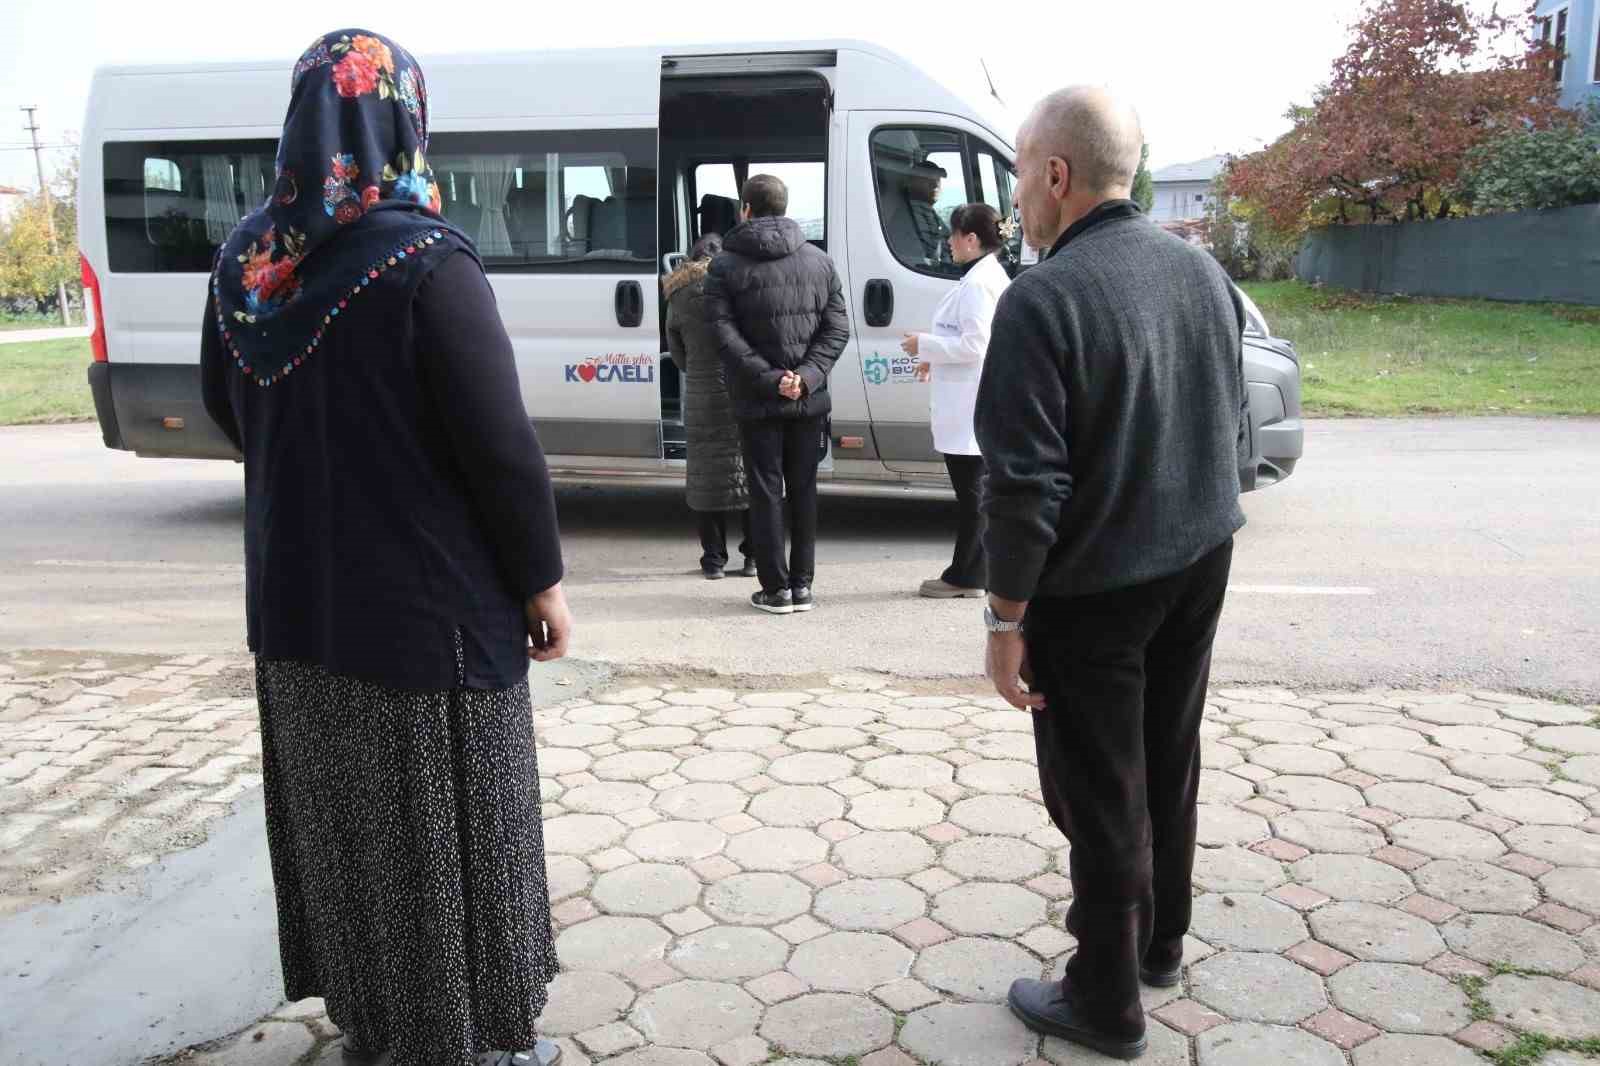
(45,381)
(1390,356)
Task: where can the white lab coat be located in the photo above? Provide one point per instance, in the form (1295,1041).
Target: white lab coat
(955,351)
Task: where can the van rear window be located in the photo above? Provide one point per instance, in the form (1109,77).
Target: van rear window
(170,204)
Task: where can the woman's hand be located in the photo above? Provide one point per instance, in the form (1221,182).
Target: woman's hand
(549,625)
(924,371)
(908,344)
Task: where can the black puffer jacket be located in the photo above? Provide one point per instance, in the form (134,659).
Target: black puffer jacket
(715,478)
(775,304)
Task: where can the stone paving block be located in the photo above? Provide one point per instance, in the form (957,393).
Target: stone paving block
(851,962)
(1576,887)
(1048,942)
(1319,958)
(1329,831)
(974,968)
(775,850)
(934,881)
(681,841)
(1500,769)
(1399,1049)
(895,854)
(1051,886)
(1376,934)
(1503,938)
(1563,918)
(1189,1017)
(1340,1029)
(723,767)
(574,911)
(1246,922)
(269,1044)
(1266,808)
(1299,897)
(999,816)
(1400,858)
(868,905)
(1353,878)
(821,875)
(1232,983)
(1559,844)
(583,1000)
(905,995)
(995,858)
(829,1025)
(801,930)
(984,908)
(973,1034)
(1279,849)
(1222,826)
(607,1040)
(776,987)
(834,832)
(650,889)
(1476,886)
(1490,823)
(1248,1042)
(1401,999)
(745,1051)
(612,945)
(1485,1036)
(1429,909)
(696,1014)
(652,974)
(1543,1004)
(758,899)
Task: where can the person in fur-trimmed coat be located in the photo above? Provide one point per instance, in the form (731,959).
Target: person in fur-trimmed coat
(716,482)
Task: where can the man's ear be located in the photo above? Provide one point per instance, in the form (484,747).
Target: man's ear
(744,212)
(1060,177)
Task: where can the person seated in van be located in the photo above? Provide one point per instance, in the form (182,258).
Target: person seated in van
(952,359)
(715,481)
(922,192)
(776,307)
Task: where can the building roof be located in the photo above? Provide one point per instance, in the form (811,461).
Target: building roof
(1199,170)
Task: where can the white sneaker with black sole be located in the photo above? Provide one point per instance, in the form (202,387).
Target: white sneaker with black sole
(780,602)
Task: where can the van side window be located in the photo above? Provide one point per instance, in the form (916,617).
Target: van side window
(570,201)
(997,179)
(169,205)
(921,178)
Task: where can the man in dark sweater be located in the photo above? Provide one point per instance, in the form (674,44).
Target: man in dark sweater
(776,307)
(1111,420)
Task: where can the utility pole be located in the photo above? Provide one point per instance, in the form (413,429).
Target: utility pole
(49,208)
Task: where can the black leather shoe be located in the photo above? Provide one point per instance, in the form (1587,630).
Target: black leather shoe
(749,568)
(1161,978)
(1043,1007)
(712,573)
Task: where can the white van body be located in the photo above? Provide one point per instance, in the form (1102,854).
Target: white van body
(582,175)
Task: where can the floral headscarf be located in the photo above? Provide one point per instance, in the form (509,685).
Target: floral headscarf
(355,140)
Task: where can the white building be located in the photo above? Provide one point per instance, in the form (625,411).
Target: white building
(1183,191)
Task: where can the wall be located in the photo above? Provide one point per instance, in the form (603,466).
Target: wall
(1549,256)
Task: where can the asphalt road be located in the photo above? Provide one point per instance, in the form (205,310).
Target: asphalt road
(1416,553)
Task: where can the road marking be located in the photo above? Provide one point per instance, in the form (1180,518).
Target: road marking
(134,564)
(1305,590)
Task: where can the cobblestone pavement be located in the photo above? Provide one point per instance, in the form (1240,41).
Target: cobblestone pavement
(854,873)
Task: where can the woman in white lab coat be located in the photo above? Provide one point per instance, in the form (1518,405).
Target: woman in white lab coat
(952,359)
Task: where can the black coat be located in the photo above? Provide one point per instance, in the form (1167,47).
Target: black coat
(715,480)
(398,513)
(775,304)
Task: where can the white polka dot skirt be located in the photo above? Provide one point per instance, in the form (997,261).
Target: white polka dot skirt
(408,858)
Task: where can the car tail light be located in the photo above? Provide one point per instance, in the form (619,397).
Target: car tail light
(92,310)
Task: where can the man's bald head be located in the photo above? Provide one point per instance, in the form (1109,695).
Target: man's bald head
(1096,132)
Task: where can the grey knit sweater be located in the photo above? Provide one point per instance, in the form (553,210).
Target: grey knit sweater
(1111,413)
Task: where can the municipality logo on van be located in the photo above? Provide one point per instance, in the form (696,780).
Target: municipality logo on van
(613,367)
(895,369)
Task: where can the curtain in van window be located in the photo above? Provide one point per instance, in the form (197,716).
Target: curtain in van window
(495,174)
(223,209)
(255,180)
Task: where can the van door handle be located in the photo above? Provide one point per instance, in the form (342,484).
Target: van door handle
(629,304)
(878,304)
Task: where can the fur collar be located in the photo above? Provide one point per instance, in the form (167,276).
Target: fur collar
(689,272)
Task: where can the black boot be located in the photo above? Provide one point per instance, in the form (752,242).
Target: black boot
(1045,1007)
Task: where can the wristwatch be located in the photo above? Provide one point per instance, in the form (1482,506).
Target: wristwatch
(995,624)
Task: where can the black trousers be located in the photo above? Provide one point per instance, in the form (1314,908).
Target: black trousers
(714,537)
(967,568)
(1124,676)
(780,461)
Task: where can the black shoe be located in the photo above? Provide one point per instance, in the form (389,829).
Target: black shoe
(749,568)
(779,602)
(712,573)
(543,1053)
(1044,1007)
(1161,978)
(802,598)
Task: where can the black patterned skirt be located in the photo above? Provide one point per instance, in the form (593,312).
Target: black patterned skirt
(408,858)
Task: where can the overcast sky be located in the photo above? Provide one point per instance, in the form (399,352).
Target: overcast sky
(1207,77)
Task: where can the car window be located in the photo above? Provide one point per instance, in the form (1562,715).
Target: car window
(806,180)
(921,179)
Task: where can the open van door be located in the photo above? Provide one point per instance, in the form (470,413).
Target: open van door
(919,168)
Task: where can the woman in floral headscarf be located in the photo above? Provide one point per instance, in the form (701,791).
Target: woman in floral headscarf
(402,566)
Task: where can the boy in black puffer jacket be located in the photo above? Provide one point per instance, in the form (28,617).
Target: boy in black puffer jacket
(776,306)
